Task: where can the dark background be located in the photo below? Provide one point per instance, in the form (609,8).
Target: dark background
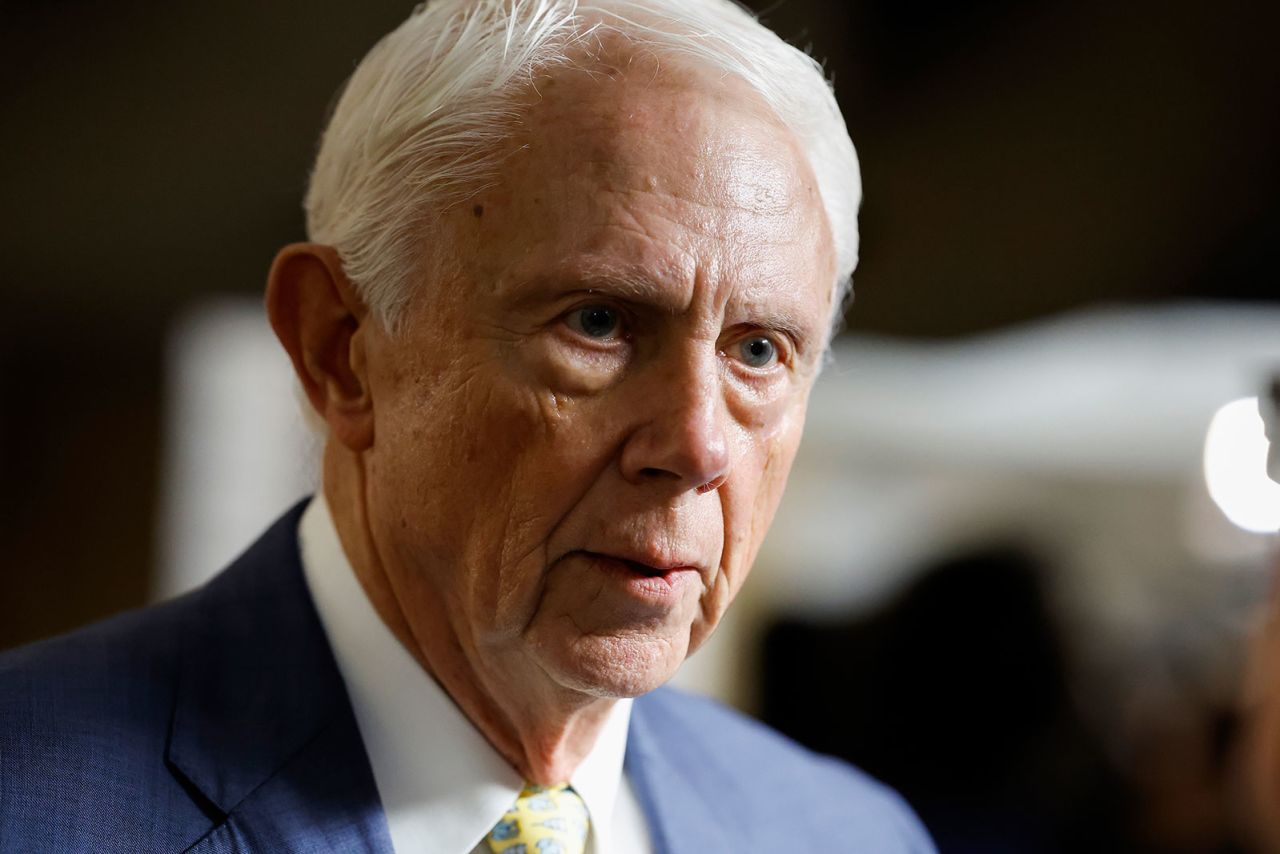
(1019,160)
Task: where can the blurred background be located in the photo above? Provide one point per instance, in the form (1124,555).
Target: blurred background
(1015,573)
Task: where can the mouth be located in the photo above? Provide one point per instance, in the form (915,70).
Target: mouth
(640,568)
(643,577)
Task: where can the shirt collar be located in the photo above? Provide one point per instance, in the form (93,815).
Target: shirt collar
(443,786)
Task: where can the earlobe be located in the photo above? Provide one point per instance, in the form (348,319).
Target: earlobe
(319,319)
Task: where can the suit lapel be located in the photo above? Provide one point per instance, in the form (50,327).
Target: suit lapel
(262,727)
(309,805)
(682,819)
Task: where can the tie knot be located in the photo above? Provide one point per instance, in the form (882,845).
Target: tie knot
(544,820)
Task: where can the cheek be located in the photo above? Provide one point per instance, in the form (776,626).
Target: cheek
(748,501)
(486,480)
(450,445)
(762,475)
(774,470)
(750,507)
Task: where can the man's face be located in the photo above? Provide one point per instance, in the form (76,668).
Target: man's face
(585,423)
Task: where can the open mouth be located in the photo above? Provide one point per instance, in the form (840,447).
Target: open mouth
(640,568)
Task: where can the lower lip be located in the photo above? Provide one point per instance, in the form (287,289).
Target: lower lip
(657,587)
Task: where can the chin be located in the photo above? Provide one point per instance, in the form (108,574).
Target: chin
(613,667)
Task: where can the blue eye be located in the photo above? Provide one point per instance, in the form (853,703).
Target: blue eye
(595,321)
(757,352)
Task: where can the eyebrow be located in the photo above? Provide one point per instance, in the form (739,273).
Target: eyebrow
(629,282)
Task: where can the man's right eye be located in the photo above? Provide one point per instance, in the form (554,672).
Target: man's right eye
(595,321)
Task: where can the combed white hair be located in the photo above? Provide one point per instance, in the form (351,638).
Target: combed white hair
(420,125)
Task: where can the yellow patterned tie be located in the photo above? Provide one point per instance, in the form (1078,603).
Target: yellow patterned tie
(544,820)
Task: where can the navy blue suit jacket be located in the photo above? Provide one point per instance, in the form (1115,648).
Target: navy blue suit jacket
(218,722)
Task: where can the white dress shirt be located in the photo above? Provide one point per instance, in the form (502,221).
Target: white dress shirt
(443,786)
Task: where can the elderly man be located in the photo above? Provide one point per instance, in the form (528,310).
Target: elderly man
(573,271)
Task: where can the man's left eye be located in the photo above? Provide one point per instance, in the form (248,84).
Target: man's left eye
(595,321)
(757,352)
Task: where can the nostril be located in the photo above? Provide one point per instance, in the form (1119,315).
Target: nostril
(657,472)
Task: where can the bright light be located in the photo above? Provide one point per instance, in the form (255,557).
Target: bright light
(1235,468)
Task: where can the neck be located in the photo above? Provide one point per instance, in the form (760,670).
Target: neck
(542,729)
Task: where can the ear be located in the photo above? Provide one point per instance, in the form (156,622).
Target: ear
(321,320)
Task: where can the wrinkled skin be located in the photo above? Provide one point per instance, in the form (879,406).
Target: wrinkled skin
(580,375)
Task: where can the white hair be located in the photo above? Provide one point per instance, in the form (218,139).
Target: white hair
(420,124)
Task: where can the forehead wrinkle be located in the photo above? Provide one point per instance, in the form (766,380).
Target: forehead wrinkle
(754,200)
(748,175)
(740,236)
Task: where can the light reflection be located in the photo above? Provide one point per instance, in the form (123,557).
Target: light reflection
(1235,468)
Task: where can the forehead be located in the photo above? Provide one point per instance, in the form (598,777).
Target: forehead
(669,173)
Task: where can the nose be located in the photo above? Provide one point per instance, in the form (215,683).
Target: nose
(684,433)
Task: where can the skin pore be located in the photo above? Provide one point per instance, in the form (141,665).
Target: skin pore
(554,476)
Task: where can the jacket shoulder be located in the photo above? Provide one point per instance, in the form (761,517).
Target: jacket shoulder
(89,720)
(84,719)
(779,784)
(113,677)
(82,665)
